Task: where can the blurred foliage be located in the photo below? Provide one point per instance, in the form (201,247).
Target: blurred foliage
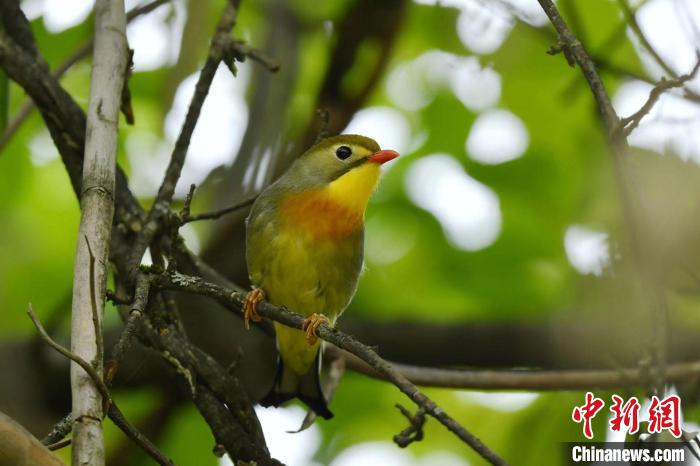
(564,177)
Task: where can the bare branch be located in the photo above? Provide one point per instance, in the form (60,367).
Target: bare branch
(110,407)
(161,206)
(87,367)
(649,291)
(574,51)
(239,50)
(525,379)
(97,212)
(414,431)
(632,20)
(291,319)
(60,444)
(184,216)
(628,124)
(143,286)
(137,437)
(59,430)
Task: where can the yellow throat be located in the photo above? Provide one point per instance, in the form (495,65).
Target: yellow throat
(336,210)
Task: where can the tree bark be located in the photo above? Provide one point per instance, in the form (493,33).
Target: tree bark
(97,211)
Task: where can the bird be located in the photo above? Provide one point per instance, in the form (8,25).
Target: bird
(304,251)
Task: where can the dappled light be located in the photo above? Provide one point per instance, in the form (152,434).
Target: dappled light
(497,136)
(533,238)
(468,211)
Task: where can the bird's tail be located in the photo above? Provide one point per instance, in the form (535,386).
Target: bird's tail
(306,387)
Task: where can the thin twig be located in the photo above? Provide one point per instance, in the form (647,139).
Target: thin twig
(161,206)
(620,151)
(60,444)
(143,286)
(291,319)
(574,51)
(137,437)
(59,430)
(110,407)
(87,367)
(241,50)
(414,431)
(631,16)
(628,124)
(221,212)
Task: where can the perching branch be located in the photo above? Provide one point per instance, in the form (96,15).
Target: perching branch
(97,212)
(176,281)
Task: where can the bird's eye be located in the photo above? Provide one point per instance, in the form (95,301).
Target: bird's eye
(343,152)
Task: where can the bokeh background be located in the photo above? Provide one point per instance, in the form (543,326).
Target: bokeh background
(502,211)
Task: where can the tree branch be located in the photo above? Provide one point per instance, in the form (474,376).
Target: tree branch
(185,216)
(97,212)
(525,379)
(650,291)
(176,281)
(219,396)
(66,122)
(628,124)
(110,406)
(575,51)
(161,206)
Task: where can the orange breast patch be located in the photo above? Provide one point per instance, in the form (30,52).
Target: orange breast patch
(317,214)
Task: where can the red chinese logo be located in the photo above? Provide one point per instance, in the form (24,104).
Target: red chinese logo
(587,412)
(626,415)
(663,414)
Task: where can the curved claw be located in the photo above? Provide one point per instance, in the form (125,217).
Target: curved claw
(251,301)
(312,323)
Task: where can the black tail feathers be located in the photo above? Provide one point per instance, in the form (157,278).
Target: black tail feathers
(306,387)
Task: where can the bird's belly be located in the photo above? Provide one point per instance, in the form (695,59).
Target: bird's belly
(310,275)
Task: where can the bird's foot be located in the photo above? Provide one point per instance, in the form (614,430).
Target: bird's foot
(312,323)
(251,301)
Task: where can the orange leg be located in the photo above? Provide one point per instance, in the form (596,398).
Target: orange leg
(249,312)
(310,325)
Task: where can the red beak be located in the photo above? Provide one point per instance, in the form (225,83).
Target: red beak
(383,156)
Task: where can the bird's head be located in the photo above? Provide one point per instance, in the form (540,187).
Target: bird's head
(341,170)
(344,159)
